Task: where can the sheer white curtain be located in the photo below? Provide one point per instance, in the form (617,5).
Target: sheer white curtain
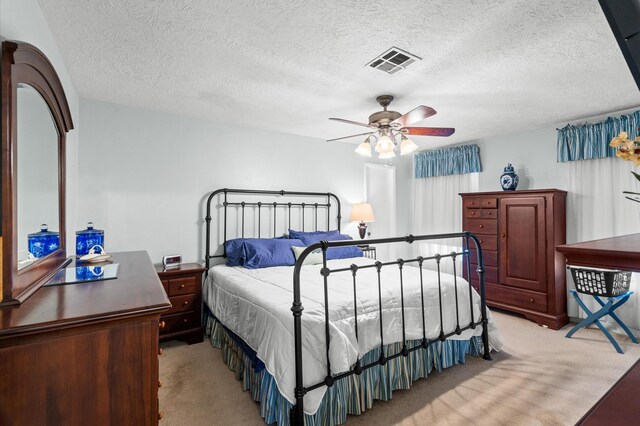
(596,209)
(437,209)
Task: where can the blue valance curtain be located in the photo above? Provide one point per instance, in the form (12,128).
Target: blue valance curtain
(590,141)
(456,160)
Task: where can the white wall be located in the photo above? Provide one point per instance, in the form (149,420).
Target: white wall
(532,154)
(144,174)
(23,20)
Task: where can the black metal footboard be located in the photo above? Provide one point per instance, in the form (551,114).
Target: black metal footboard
(297,412)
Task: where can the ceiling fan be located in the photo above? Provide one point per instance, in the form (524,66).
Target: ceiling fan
(388,125)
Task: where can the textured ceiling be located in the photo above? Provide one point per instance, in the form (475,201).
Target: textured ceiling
(489,66)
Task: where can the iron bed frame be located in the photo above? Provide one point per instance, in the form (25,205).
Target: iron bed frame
(296,415)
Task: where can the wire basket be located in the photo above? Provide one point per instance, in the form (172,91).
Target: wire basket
(601,282)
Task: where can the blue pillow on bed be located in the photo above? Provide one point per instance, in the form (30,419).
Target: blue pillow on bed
(235,251)
(333,252)
(323,235)
(267,252)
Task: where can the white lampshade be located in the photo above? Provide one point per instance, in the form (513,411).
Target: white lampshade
(364,148)
(362,212)
(385,144)
(407,145)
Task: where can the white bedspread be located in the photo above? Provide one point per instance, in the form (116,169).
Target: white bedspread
(256,305)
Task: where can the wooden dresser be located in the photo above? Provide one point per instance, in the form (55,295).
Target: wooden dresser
(183,285)
(519,231)
(85,354)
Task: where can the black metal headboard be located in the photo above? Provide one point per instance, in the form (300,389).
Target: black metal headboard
(319,200)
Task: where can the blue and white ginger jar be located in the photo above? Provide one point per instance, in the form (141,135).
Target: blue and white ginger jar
(87,239)
(509,179)
(44,242)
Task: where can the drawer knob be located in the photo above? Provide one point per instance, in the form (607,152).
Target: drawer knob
(473,213)
(160,414)
(531,300)
(159,383)
(181,285)
(481,226)
(481,241)
(185,320)
(159,351)
(162,324)
(186,302)
(489,214)
(503,235)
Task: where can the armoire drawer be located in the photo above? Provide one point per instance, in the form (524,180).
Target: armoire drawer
(490,273)
(482,226)
(488,203)
(515,297)
(487,242)
(490,257)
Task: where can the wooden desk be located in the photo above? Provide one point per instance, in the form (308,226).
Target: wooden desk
(610,253)
(84,354)
(618,406)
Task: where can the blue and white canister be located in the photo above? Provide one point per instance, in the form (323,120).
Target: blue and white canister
(509,179)
(87,239)
(44,242)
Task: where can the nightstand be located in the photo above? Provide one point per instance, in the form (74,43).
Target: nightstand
(183,286)
(369,251)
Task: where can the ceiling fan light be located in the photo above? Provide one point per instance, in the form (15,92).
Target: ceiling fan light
(385,144)
(387,155)
(407,146)
(364,149)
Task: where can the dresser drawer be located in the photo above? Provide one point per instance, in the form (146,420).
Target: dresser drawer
(482,226)
(490,273)
(179,322)
(180,286)
(516,297)
(490,258)
(182,303)
(481,202)
(487,242)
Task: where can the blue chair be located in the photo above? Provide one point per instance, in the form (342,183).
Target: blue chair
(605,283)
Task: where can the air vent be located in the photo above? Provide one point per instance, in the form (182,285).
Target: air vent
(393,60)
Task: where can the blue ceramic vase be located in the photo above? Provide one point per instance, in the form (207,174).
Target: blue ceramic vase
(509,179)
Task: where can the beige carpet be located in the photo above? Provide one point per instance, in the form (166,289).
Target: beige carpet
(539,378)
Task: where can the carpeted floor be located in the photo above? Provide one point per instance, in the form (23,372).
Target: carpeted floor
(539,378)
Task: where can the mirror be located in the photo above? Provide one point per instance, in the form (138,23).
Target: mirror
(35,119)
(37,178)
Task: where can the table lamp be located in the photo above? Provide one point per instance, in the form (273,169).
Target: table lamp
(362,213)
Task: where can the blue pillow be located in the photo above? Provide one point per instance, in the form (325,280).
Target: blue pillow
(334,252)
(324,235)
(235,251)
(264,253)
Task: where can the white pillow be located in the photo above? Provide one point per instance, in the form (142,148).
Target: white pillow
(313,258)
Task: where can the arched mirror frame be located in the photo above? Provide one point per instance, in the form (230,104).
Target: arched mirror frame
(23,63)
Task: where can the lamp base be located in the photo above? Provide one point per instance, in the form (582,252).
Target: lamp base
(362,229)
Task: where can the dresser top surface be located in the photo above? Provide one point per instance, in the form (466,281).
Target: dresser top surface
(515,193)
(136,291)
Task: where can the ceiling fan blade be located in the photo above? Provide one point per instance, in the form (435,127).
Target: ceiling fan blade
(428,131)
(351,122)
(348,137)
(414,116)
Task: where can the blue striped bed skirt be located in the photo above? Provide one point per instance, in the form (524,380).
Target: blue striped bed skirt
(351,395)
